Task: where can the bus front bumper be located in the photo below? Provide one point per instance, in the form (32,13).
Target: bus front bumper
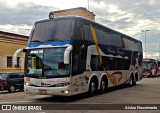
(57,91)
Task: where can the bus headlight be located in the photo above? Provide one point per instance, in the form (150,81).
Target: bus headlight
(27,84)
(65,92)
(62,84)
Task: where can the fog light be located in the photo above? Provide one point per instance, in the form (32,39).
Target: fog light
(66,92)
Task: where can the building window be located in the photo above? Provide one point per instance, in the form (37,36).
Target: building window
(9,61)
(18,62)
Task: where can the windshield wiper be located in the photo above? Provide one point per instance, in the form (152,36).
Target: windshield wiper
(36,41)
(55,39)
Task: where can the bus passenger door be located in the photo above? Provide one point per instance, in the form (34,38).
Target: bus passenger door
(76,84)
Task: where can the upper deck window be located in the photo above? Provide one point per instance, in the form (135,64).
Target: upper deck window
(52,30)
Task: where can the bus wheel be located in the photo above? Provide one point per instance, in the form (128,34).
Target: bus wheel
(132,81)
(103,87)
(92,88)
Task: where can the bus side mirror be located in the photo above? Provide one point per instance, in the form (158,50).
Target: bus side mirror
(67,54)
(16,55)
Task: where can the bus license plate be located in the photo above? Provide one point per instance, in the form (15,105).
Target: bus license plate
(43,91)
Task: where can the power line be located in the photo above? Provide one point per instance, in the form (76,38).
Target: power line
(8,20)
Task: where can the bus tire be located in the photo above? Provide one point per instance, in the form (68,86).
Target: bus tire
(92,88)
(132,81)
(104,86)
(135,82)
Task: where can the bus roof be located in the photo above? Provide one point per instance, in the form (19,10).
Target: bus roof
(149,59)
(93,22)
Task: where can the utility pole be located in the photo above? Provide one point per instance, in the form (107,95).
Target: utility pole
(159,50)
(88,5)
(145,48)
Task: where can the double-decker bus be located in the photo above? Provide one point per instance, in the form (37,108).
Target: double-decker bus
(150,67)
(73,55)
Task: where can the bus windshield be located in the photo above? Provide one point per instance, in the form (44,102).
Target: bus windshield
(52,30)
(47,62)
(148,65)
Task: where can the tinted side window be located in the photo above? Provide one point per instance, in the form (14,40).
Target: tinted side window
(12,76)
(87,31)
(79,57)
(107,36)
(78,31)
(131,44)
(95,63)
(21,75)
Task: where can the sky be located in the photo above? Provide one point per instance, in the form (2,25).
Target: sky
(130,17)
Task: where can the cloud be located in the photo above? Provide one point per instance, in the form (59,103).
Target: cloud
(22,14)
(126,16)
(130,17)
(25,13)
(18,29)
(130,11)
